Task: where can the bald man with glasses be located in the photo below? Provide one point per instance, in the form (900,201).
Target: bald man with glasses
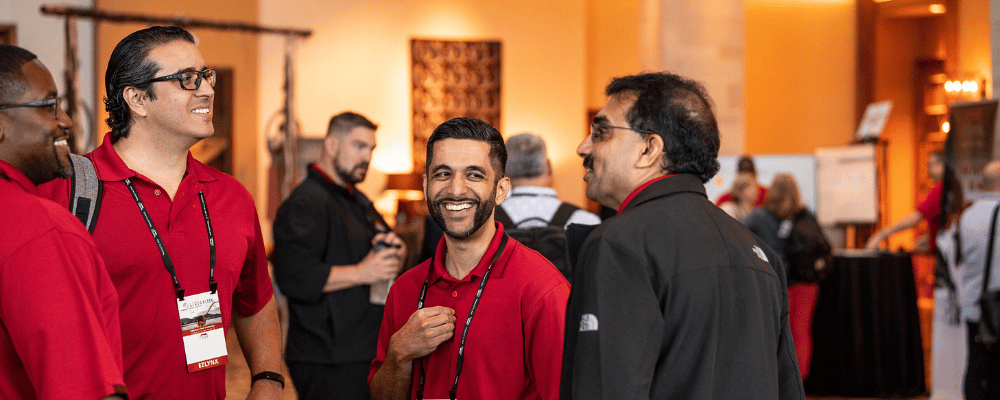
(181,239)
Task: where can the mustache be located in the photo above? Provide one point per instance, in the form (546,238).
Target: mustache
(442,199)
(588,162)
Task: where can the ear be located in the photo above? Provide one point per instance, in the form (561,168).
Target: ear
(136,100)
(330,144)
(652,154)
(503,189)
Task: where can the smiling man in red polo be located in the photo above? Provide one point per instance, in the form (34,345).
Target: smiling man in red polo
(59,331)
(483,318)
(180,238)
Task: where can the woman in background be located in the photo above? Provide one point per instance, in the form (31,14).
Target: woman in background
(772,223)
(744,197)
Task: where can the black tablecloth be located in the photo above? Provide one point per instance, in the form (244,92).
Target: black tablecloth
(866,330)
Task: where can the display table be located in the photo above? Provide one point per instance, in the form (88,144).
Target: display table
(866,330)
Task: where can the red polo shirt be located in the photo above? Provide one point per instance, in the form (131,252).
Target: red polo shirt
(151,332)
(515,342)
(930,208)
(59,330)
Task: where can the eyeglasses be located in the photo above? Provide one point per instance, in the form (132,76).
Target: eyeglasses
(54,103)
(601,128)
(190,80)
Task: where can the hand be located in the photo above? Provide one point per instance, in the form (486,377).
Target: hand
(382,265)
(874,241)
(396,244)
(265,389)
(423,332)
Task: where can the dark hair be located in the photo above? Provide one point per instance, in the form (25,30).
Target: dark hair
(680,111)
(343,123)
(526,156)
(13,83)
(472,129)
(129,66)
(745,164)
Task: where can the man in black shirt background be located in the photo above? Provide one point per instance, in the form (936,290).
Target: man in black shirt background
(330,247)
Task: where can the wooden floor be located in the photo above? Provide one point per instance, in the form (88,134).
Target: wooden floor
(238,378)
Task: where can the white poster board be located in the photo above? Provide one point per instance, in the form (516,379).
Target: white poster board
(846,178)
(801,166)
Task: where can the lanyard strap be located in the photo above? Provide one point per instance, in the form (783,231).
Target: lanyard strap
(163,249)
(468,321)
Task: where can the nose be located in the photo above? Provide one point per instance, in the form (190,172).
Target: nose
(585,147)
(205,89)
(62,119)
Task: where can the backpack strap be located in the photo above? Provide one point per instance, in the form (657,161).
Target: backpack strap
(501,216)
(989,252)
(562,214)
(86,191)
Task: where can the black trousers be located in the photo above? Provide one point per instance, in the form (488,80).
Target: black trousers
(329,382)
(982,376)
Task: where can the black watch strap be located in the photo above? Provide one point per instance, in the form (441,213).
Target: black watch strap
(273,376)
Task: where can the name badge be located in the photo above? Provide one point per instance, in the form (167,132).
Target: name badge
(201,329)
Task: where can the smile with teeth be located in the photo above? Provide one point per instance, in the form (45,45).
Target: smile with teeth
(61,142)
(201,111)
(457,207)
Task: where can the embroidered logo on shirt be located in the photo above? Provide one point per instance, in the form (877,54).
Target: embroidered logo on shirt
(760,253)
(588,323)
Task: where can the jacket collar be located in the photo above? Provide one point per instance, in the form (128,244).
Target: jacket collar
(314,173)
(662,187)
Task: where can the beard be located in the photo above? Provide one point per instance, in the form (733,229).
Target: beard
(354,175)
(484,208)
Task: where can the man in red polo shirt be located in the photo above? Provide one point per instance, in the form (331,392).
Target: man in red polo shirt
(180,238)
(59,330)
(484,317)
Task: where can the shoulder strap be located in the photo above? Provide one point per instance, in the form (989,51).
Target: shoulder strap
(562,214)
(989,250)
(501,216)
(85,191)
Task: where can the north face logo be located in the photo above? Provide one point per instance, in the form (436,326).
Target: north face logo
(760,253)
(588,323)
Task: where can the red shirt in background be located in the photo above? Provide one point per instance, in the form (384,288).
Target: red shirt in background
(727,197)
(514,347)
(930,208)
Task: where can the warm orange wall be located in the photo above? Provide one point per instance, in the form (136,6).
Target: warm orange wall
(799,75)
(612,45)
(358,59)
(898,43)
(974,59)
(220,49)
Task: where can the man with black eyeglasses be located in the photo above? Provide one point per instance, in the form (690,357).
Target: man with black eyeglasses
(59,331)
(672,298)
(181,239)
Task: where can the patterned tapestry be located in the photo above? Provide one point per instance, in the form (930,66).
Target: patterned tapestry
(452,79)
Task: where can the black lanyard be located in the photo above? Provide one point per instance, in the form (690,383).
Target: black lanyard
(468,321)
(163,249)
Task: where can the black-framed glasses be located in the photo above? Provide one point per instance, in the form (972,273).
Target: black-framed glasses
(606,127)
(54,103)
(190,80)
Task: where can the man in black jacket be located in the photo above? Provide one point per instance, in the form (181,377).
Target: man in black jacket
(327,254)
(672,298)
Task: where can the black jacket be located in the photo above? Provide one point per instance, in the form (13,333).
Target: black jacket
(322,224)
(677,300)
